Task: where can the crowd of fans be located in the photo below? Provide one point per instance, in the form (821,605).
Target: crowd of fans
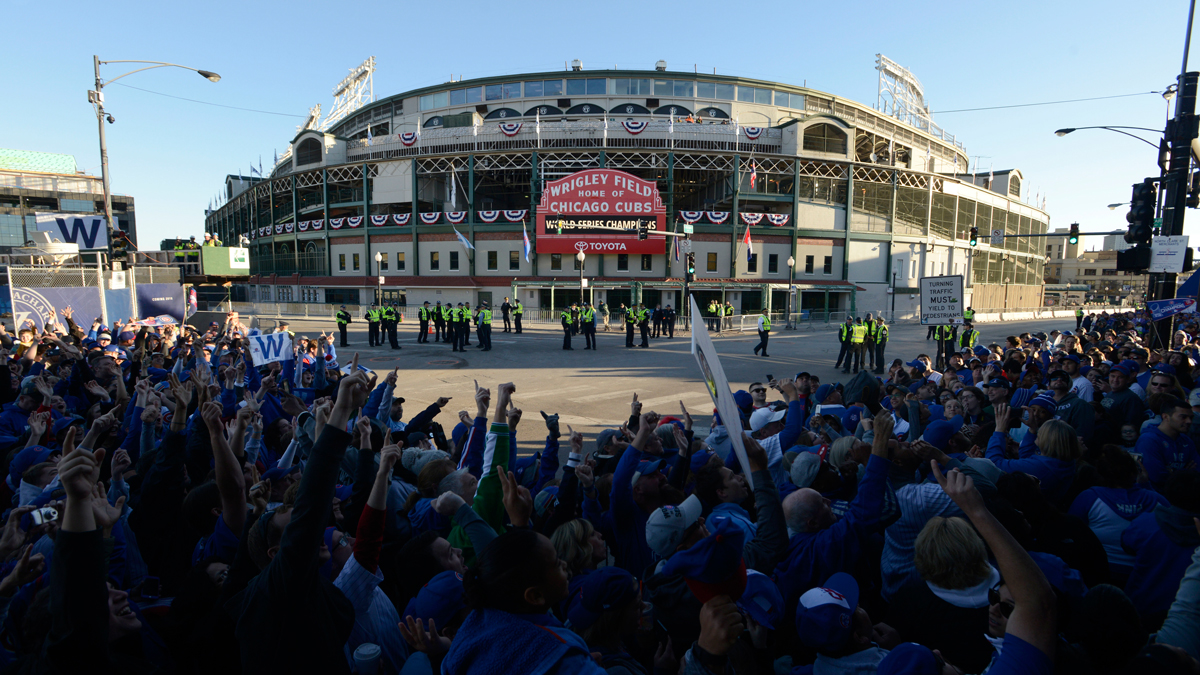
(1032,508)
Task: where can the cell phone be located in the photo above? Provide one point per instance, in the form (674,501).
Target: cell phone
(770,378)
(150,589)
(43,515)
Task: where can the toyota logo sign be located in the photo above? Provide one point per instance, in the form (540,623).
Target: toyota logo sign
(581,246)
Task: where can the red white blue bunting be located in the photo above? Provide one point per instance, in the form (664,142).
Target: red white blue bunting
(289,227)
(302,226)
(778,219)
(379,221)
(408,138)
(752,218)
(690,217)
(354,221)
(717,217)
(430,218)
(516,216)
(401,218)
(336,223)
(752,132)
(456,217)
(510,129)
(318,224)
(634,127)
(278,228)
(488,216)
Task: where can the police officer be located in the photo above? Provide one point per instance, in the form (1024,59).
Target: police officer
(881,338)
(587,324)
(657,317)
(728,312)
(448,319)
(565,318)
(343,318)
(644,325)
(969,315)
(869,344)
(393,318)
(372,317)
(455,328)
(518,310)
(968,337)
(485,327)
(180,256)
(1078,317)
(858,337)
(713,312)
(439,322)
(844,331)
(945,339)
(505,310)
(764,333)
(630,322)
(669,321)
(465,326)
(423,315)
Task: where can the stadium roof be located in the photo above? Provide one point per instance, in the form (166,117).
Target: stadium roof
(42,162)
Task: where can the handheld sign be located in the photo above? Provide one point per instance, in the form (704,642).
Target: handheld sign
(718,387)
(270,348)
(941,300)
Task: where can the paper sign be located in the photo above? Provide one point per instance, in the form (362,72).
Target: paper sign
(718,387)
(1167,253)
(270,348)
(941,300)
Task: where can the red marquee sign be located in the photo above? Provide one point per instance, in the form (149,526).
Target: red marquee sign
(585,203)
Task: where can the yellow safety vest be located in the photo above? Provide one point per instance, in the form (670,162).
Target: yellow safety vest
(587,316)
(519,309)
(767,324)
(967,339)
(844,331)
(423,314)
(881,333)
(859,334)
(968,314)
(485,317)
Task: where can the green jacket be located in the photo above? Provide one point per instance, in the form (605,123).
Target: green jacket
(489,496)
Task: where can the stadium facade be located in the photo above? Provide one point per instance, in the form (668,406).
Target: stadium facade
(864,202)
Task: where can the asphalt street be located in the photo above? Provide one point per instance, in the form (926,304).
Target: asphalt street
(592,390)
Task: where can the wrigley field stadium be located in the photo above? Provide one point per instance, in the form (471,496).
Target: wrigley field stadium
(475,190)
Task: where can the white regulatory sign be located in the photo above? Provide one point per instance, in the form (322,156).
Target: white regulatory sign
(997,237)
(941,300)
(1167,254)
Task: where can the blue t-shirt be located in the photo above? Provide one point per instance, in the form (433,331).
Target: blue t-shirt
(1018,657)
(222,542)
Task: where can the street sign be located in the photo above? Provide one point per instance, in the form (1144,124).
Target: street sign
(688,228)
(685,246)
(997,237)
(380,281)
(941,300)
(583,282)
(1158,222)
(1167,253)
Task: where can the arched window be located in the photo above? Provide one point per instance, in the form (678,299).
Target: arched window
(825,138)
(284,250)
(310,248)
(309,152)
(1014,185)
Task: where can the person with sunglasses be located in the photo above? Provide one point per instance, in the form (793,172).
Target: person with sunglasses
(758,395)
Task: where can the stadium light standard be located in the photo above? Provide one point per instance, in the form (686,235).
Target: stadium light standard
(96,98)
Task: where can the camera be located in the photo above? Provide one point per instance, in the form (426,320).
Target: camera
(43,516)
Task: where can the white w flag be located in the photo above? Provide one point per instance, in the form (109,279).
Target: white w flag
(270,348)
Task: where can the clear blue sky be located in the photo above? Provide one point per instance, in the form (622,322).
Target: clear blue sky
(172,155)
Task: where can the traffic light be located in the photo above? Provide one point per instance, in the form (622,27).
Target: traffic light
(1073,237)
(974,236)
(1141,213)
(559,225)
(691,266)
(642,231)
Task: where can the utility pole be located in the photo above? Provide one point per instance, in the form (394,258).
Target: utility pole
(1181,130)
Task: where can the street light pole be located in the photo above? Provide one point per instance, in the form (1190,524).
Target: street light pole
(96,97)
(379,278)
(581,256)
(791,282)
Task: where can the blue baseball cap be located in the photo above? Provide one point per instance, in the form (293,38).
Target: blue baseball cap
(997,382)
(1164,368)
(910,658)
(824,615)
(1128,367)
(545,500)
(918,364)
(645,468)
(605,589)
(824,390)
(440,600)
(762,600)
(938,433)
(981,351)
(701,458)
(275,472)
(1070,357)
(743,399)
(714,566)
(1045,401)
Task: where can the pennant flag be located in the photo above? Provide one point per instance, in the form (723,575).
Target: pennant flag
(370,138)
(1162,309)
(749,246)
(674,249)
(453,195)
(461,239)
(379,221)
(525,236)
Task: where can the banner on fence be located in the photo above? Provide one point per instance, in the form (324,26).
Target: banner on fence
(718,387)
(160,299)
(35,304)
(271,347)
(1171,306)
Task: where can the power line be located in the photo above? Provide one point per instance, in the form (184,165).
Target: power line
(231,107)
(1029,105)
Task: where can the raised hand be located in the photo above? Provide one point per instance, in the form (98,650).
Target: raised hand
(517,500)
(576,440)
(635,407)
(121,462)
(211,414)
(585,475)
(687,417)
(391,377)
(106,514)
(551,424)
(721,623)
(443,401)
(448,503)
(182,393)
(1001,410)
(79,469)
(960,488)
(419,639)
(38,422)
(28,568)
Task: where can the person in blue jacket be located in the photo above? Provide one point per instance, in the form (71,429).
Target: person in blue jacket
(1167,448)
(1048,452)
(1162,542)
(823,544)
(516,581)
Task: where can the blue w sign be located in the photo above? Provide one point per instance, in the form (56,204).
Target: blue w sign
(271,347)
(89,232)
